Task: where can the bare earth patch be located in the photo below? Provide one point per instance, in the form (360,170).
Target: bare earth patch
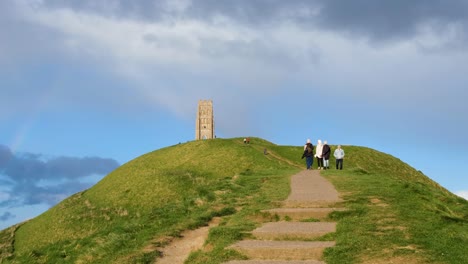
(179,249)
(378,202)
(388,256)
(396,260)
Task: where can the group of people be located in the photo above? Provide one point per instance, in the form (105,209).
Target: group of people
(322,154)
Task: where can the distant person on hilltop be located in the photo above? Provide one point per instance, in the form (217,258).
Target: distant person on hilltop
(339,155)
(318,154)
(308,154)
(326,155)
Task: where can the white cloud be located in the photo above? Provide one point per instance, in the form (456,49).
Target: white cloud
(173,61)
(463,194)
(169,42)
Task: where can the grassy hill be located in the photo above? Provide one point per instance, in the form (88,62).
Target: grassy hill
(394,211)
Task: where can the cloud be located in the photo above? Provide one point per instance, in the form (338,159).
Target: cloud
(192,32)
(16,33)
(153,55)
(6,216)
(169,53)
(24,168)
(5,155)
(33,179)
(50,194)
(463,194)
(251,45)
(375,20)
(392,20)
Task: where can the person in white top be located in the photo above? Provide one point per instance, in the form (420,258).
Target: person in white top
(318,154)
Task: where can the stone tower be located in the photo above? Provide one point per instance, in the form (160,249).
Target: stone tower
(204,128)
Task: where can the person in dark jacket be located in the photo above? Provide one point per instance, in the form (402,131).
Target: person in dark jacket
(326,155)
(309,154)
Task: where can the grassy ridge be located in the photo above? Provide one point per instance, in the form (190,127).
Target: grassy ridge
(395,212)
(154,196)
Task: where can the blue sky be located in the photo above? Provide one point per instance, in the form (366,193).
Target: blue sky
(86,86)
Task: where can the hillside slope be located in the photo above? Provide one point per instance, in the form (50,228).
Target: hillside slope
(154,196)
(395,212)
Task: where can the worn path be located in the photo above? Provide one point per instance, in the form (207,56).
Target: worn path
(309,189)
(312,196)
(179,250)
(309,186)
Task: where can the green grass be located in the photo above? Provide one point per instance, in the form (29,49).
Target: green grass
(394,212)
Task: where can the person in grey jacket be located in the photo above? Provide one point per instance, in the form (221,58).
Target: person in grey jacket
(339,155)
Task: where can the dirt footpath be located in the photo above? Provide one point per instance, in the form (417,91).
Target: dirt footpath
(312,196)
(191,240)
(308,186)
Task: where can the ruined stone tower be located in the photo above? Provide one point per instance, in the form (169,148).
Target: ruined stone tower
(204,128)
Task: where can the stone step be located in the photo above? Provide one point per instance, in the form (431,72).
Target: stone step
(310,203)
(293,230)
(282,250)
(275,262)
(303,213)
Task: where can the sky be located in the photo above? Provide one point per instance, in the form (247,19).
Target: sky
(86,86)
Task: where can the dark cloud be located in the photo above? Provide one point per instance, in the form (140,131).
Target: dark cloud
(6,216)
(69,167)
(19,170)
(5,156)
(31,194)
(29,167)
(383,20)
(33,180)
(377,20)
(141,10)
(243,11)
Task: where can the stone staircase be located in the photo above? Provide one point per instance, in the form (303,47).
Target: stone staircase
(292,241)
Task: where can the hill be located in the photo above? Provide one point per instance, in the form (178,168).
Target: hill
(393,211)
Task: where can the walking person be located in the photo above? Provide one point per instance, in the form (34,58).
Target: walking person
(308,154)
(326,155)
(339,155)
(318,154)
